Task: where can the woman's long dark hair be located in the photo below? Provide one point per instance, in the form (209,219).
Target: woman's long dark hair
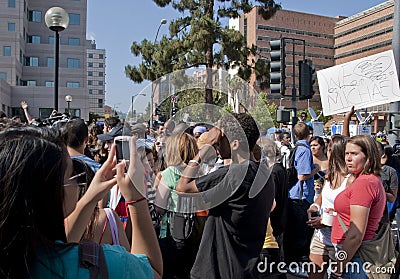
(337,164)
(32,169)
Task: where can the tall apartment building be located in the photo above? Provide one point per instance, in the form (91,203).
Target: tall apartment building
(315,30)
(96,77)
(366,33)
(27,57)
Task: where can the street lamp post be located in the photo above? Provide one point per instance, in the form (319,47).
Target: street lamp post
(57,20)
(115,107)
(68,99)
(162,22)
(133,99)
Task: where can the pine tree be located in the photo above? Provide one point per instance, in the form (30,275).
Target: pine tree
(198,38)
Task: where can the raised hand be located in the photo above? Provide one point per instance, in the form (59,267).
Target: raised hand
(132,183)
(24,105)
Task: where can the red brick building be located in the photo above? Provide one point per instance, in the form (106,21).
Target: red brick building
(317,32)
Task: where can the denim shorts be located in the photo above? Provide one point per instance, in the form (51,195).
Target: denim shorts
(355,269)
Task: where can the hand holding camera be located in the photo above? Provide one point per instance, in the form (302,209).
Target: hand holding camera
(314,217)
(132,183)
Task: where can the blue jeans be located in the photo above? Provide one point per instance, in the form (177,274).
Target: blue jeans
(354,269)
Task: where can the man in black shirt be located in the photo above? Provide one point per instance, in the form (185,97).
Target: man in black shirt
(239,196)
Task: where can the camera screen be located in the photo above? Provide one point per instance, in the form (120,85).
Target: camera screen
(122,148)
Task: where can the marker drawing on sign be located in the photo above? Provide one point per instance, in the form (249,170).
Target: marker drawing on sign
(361,83)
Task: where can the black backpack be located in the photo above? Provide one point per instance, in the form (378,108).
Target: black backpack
(291,170)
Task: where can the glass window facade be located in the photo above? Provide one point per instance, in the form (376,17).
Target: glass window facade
(35,16)
(101,65)
(49,83)
(6,50)
(11,26)
(11,3)
(33,39)
(44,112)
(101,56)
(74,19)
(74,41)
(73,63)
(31,61)
(50,61)
(3,76)
(90,55)
(31,83)
(73,84)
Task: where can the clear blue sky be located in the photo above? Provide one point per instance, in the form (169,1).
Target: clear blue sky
(116,24)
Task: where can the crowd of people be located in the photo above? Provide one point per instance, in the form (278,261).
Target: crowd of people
(202,201)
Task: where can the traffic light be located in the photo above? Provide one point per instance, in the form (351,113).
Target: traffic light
(282,116)
(158,110)
(277,66)
(306,79)
(174,110)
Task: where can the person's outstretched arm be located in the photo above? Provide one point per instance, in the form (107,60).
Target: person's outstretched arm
(24,106)
(346,123)
(144,239)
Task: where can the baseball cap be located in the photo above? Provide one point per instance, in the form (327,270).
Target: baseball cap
(199,129)
(116,131)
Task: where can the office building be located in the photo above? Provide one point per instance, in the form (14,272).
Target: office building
(315,30)
(366,33)
(96,77)
(27,58)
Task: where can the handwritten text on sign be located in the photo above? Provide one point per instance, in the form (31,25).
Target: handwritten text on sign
(361,83)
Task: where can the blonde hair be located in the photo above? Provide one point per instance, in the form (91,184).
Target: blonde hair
(180,149)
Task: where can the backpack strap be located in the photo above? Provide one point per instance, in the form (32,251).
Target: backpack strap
(91,256)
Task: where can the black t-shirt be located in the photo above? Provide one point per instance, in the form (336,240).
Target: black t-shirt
(279,215)
(235,229)
(389,178)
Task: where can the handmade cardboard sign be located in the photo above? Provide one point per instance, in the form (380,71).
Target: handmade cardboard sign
(361,83)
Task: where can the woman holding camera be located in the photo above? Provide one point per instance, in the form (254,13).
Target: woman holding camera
(37,192)
(321,212)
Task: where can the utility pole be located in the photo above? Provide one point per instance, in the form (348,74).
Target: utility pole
(394,107)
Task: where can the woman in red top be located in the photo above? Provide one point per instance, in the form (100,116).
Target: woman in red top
(360,206)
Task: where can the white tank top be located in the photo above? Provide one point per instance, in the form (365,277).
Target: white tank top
(328,199)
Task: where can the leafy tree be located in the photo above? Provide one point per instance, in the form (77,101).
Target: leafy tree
(191,101)
(264,113)
(93,116)
(198,38)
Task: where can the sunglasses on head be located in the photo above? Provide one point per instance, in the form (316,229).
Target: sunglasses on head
(158,143)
